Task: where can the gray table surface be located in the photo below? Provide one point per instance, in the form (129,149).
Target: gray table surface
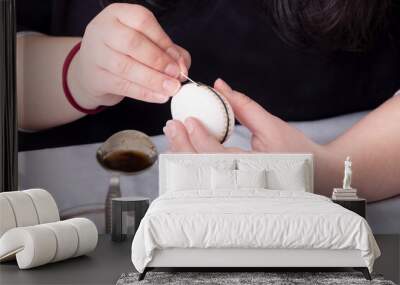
(106,264)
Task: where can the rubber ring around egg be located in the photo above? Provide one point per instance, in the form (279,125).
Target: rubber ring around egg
(206,105)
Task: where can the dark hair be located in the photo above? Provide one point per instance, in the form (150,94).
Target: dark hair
(347,25)
(350,25)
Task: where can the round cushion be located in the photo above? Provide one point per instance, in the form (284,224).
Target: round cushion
(87,235)
(23,208)
(41,244)
(67,240)
(45,205)
(32,246)
(7,218)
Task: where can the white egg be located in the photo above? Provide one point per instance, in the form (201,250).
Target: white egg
(208,106)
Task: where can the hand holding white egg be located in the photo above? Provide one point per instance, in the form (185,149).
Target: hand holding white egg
(268,132)
(206,105)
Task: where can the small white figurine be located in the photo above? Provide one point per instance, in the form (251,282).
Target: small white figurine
(347,174)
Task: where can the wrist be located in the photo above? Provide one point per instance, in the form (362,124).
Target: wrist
(78,92)
(70,83)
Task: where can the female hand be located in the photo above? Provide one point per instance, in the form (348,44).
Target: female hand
(371,143)
(269,133)
(126,53)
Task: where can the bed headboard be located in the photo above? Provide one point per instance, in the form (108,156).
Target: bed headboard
(210,158)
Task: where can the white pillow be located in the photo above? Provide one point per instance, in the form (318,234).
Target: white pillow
(292,179)
(251,178)
(187,177)
(227,179)
(183,175)
(289,175)
(223,179)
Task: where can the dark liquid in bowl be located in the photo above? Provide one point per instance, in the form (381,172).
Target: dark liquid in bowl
(127,161)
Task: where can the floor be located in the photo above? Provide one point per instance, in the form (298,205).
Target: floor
(389,262)
(110,260)
(103,266)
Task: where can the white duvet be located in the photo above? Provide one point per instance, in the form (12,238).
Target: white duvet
(250,219)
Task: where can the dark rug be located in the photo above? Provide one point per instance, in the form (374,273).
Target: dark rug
(269,278)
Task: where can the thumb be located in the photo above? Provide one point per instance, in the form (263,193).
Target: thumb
(200,138)
(248,112)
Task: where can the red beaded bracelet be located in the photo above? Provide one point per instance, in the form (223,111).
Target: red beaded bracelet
(67,92)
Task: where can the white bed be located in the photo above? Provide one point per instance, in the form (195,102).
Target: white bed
(249,227)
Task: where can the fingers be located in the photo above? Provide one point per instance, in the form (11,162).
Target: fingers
(178,137)
(141,19)
(129,69)
(185,61)
(127,42)
(200,138)
(136,45)
(247,112)
(112,84)
(192,137)
(147,26)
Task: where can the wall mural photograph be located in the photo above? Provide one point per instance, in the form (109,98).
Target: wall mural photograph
(179,142)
